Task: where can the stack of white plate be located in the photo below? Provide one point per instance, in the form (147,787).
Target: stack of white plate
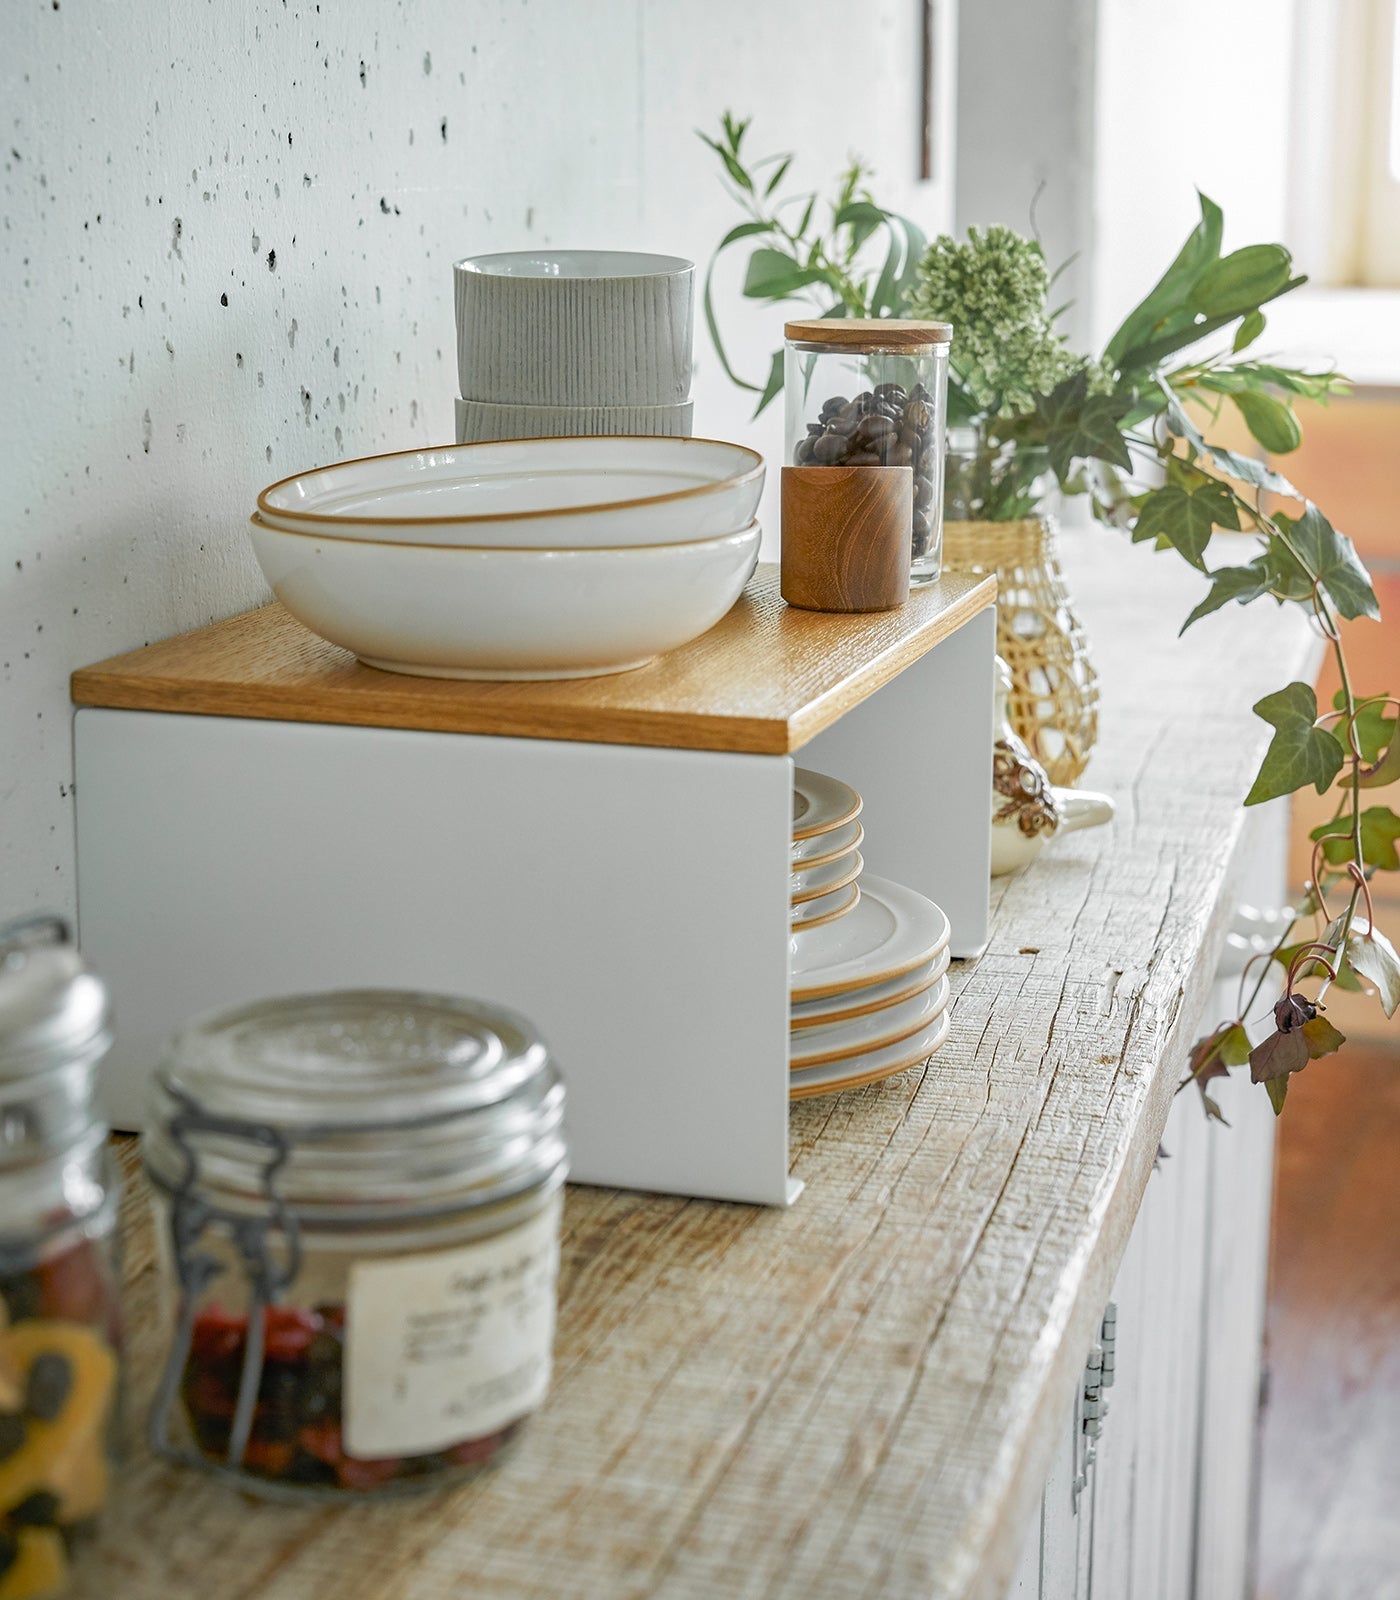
(869,957)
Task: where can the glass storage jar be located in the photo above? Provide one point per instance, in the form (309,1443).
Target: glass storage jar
(360,1194)
(60,1319)
(872,392)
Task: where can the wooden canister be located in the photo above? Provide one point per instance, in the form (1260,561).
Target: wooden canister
(846,537)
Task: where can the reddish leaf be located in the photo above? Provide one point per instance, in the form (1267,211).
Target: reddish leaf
(1277,1056)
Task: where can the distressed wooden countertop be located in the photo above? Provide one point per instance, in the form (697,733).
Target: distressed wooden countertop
(856,1397)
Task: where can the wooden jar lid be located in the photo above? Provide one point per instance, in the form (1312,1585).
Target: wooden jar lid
(869,333)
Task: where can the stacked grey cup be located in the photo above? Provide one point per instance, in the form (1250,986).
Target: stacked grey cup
(569,342)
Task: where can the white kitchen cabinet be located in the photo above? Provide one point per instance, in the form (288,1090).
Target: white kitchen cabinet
(1165,1511)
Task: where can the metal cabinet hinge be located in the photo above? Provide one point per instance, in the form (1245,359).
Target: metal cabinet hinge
(1099,1373)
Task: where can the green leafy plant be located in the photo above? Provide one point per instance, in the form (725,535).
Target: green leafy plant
(825,255)
(1129,430)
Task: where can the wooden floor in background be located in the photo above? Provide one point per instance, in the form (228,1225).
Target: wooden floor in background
(1330,1481)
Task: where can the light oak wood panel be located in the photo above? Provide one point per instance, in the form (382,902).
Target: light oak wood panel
(765,679)
(859,1396)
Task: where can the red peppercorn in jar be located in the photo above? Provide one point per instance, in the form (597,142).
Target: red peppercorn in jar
(361,1196)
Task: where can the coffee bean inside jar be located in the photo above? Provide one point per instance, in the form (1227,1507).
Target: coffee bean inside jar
(891,416)
(882,427)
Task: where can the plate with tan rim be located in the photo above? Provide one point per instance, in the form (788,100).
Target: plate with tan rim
(824,847)
(880,1064)
(875,997)
(843,1041)
(826,909)
(890,932)
(814,881)
(820,804)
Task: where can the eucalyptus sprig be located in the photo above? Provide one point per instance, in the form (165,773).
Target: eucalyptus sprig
(827,261)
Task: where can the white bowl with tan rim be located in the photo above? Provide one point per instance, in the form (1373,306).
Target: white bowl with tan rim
(542,494)
(455,611)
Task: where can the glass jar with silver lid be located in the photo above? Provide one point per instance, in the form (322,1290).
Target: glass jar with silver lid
(360,1195)
(60,1317)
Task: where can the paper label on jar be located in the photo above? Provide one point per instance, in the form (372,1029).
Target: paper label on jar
(450,1346)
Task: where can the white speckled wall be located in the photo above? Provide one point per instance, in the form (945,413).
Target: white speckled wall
(226,236)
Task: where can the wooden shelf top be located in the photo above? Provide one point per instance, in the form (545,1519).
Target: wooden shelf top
(766,678)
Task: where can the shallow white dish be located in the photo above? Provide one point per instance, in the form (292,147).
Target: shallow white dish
(479,420)
(444,612)
(533,494)
(870,998)
(822,880)
(861,1035)
(851,1074)
(824,847)
(826,908)
(892,931)
(821,804)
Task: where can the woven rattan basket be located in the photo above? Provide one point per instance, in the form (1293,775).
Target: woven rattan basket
(1054,700)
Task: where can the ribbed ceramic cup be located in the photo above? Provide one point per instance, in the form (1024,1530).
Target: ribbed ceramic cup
(575,328)
(479,421)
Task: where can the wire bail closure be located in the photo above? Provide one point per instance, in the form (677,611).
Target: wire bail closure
(190,1217)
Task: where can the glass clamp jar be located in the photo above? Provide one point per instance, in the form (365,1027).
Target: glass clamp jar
(872,392)
(361,1193)
(60,1309)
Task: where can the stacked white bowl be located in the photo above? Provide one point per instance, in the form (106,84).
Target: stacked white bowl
(869,991)
(528,558)
(554,343)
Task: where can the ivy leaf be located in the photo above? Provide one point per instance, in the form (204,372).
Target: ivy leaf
(1380,828)
(1185,513)
(1278,1055)
(1081,424)
(1372,729)
(1373,956)
(1387,769)
(1287,579)
(1249,330)
(1244,584)
(1247,470)
(1332,556)
(1213,1056)
(1270,421)
(1299,753)
(1323,1039)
